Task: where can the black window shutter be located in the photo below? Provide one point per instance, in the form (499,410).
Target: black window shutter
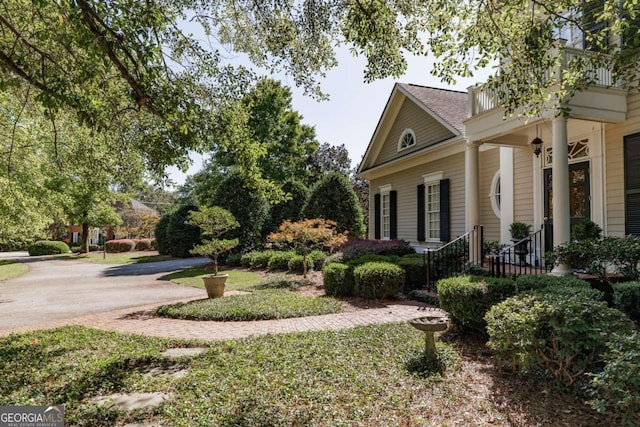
(393,214)
(376,216)
(632,184)
(421,219)
(445,228)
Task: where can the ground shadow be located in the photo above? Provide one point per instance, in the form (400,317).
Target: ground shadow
(154,267)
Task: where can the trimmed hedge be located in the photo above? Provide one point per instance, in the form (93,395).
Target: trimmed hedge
(233,260)
(626,298)
(338,279)
(318,258)
(536,282)
(296,263)
(279,261)
(378,280)
(120,245)
(414,270)
(564,333)
(468,298)
(48,247)
(143,244)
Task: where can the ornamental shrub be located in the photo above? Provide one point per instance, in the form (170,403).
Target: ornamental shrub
(233,260)
(468,298)
(358,247)
(378,280)
(48,247)
(626,298)
(246,259)
(295,264)
(119,245)
(290,209)
(414,270)
(95,248)
(527,282)
(260,259)
(564,333)
(279,261)
(370,258)
(338,279)
(182,237)
(618,385)
(336,257)
(333,198)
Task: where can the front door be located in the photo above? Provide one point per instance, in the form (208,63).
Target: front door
(579,198)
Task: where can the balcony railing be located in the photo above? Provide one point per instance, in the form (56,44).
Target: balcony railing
(483,99)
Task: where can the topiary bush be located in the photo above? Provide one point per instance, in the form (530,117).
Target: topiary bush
(120,245)
(356,248)
(279,261)
(564,333)
(527,282)
(378,280)
(295,264)
(338,279)
(468,298)
(618,385)
(48,247)
(626,298)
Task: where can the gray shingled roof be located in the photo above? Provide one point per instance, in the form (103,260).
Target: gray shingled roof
(449,105)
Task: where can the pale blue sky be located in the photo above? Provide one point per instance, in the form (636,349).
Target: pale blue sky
(351,114)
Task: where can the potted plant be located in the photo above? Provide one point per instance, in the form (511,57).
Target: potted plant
(213,221)
(519,231)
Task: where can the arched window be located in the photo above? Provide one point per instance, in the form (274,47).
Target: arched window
(407,139)
(494,194)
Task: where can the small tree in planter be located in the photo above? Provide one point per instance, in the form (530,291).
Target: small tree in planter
(306,235)
(520,230)
(214,221)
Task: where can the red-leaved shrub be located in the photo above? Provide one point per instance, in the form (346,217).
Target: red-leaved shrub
(120,245)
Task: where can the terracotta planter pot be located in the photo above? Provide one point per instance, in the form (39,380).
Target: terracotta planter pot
(215,284)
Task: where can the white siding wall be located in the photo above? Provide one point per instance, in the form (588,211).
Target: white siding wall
(522,185)
(614,164)
(406,182)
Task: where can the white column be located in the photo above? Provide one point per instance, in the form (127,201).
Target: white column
(472,191)
(506,193)
(560,183)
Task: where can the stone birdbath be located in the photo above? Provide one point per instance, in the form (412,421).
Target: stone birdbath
(430,325)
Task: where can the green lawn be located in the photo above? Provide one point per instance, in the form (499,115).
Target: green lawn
(258,305)
(238,279)
(136,257)
(353,377)
(9,269)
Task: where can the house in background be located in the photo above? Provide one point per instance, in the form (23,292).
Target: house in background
(441,162)
(131,212)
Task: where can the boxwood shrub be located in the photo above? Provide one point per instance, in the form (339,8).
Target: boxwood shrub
(318,258)
(378,280)
(48,247)
(564,333)
(120,245)
(233,260)
(626,298)
(370,258)
(338,279)
(468,298)
(618,388)
(295,264)
(355,248)
(279,261)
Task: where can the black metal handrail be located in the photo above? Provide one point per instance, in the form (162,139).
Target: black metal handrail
(525,256)
(453,257)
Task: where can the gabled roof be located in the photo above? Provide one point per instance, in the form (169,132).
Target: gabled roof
(448,107)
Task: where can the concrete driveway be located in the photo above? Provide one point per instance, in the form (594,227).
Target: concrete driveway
(65,288)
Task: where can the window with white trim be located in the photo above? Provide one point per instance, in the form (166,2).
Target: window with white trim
(385,212)
(432,206)
(407,139)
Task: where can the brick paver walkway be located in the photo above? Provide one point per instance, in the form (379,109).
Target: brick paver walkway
(138,320)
